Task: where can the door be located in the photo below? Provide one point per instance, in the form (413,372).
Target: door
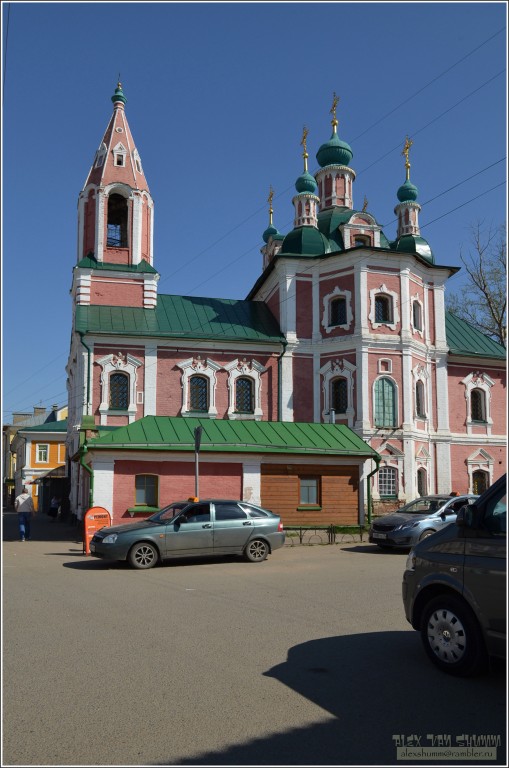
(191,533)
(232,528)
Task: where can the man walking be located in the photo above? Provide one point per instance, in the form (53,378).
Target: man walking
(24,506)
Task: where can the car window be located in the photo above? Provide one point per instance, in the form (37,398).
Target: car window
(171,511)
(225,511)
(256,512)
(196,513)
(456,506)
(495,516)
(423,506)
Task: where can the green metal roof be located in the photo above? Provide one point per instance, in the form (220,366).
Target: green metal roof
(188,317)
(176,433)
(89,262)
(466,340)
(49,426)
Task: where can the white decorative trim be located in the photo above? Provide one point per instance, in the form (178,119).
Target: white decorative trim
(479,460)
(420,373)
(196,366)
(118,363)
(478,380)
(327,300)
(417,300)
(253,371)
(383,290)
(338,369)
(119,151)
(389,365)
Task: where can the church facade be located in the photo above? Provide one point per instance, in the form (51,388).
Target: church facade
(344,329)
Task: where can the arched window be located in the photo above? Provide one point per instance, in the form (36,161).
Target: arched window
(244,395)
(420,410)
(422,482)
(417,315)
(339,395)
(385,403)
(117,221)
(477,405)
(387,482)
(198,393)
(119,391)
(383,309)
(480,481)
(338,311)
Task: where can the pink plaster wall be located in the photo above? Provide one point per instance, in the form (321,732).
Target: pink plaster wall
(89,225)
(392,283)
(396,376)
(273,304)
(176,482)
(101,351)
(327,286)
(109,292)
(304,309)
(459,467)
(457,402)
(302,388)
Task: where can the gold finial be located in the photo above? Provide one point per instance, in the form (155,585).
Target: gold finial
(303,144)
(269,200)
(406,150)
(365,206)
(332,111)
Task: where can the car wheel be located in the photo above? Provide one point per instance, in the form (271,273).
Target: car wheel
(452,637)
(143,555)
(257,551)
(425,535)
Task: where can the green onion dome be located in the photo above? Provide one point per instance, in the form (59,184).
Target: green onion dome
(119,94)
(305,241)
(306,183)
(414,244)
(407,192)
(269,232)
(334,152)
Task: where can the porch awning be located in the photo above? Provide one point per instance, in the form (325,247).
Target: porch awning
(55,473)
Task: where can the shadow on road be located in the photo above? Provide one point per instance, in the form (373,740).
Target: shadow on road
(373,687)
(44,528)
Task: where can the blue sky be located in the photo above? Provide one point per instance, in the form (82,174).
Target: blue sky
(217,96)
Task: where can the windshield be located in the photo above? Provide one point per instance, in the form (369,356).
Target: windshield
(168,513)
(424,506)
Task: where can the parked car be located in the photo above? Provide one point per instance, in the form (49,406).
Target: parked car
(454,586)
(183,529)
(415,521)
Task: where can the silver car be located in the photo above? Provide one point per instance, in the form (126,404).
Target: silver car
(417,520)
(183,529)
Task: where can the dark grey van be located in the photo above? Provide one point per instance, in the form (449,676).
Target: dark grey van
(454,586)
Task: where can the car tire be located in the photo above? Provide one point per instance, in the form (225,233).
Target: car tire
(143,555)
(256,551)
(452,637)
(425,535)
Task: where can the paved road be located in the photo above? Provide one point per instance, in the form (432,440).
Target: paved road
(305,659)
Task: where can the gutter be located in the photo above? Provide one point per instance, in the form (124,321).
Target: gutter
(83,452)
(377,460)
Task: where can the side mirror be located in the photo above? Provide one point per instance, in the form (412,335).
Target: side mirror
(467,516)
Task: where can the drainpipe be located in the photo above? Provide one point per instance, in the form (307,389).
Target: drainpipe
(279,380)
(83,452)
(368,480)
(89,353)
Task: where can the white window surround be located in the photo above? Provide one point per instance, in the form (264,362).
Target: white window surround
(42,449)
(100,155)
(416,300)
(421,373)
(396,404)
(338,369)
(337,293)
(118,363)
(119,151)
(479,460)
(253,370)
(386,360)
(478,380)
(207,368)
(395,459)
(384,291)
(137,161)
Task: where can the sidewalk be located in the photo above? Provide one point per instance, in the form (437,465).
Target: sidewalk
(43,528)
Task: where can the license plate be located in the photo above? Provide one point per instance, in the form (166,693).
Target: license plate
(379,535)
(92,547)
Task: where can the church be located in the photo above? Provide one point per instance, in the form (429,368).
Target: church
(340,386)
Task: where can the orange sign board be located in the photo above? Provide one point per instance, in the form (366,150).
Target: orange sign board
(95,519)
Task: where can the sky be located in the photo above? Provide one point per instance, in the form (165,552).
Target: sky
(217,98)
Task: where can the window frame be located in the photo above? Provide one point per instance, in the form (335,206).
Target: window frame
(393,473)
(382,423)
(125,377)
(38,448)
(193,379)
(241,380)
(314,482)
(155,479)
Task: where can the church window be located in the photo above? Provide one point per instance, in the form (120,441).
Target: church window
(480,482)
(338,311)
(119,391)
(417,315)
(339,395)
(198,393)
(383,309)
(244,395)
(419,400)
(361,240)
(117,221)
(387,482)
(385,403)
(422,482)
(477,405)
(146,490)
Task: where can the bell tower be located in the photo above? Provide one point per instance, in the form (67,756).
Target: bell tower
(116,223)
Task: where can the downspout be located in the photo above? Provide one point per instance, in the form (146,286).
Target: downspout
(368,480)
(89,353)
(83,452)
(279,380)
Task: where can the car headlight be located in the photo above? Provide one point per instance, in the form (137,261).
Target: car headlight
(410,561)
(406,526)
(110,539)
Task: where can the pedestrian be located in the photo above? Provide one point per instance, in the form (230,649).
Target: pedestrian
(53,508)
(24,506)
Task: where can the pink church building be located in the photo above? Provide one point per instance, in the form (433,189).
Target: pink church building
(338,386)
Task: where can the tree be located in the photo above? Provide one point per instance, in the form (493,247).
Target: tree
(482,300)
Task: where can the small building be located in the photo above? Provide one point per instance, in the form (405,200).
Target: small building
(41,462)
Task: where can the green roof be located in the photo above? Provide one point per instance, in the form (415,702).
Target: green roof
(188,317)
(89,262)
(49,426)
(466,340)
(176,433)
